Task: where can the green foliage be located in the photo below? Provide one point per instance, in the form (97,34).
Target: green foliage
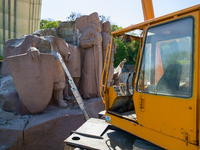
(132,49)
(121,52)
(126,50)
(115,27)
(45,24)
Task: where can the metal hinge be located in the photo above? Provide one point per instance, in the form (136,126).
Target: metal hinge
(141,102)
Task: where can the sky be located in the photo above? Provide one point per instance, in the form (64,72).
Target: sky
(121,12)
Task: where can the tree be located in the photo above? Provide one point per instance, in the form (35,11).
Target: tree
(124,49)
(132,49)
(45,24)
(115,27)
(121,52)
(73,16)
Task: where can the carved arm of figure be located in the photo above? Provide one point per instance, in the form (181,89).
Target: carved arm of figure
(63,49)
(34,54)
(88,39)
(59,45)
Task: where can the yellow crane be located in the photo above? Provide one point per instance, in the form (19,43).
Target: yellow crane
(166,85)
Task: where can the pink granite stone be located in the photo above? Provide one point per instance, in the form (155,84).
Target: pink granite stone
(33,81)
(17,46)
(92,65)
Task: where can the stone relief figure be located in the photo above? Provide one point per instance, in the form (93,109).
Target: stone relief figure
(72,61)
(58,45)
(106,40)
(74,67)
(91,42)
(40,61)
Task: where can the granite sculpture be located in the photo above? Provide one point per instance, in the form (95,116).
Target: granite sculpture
(58,45)
(84,59)
(34,86)
(38,45)
(74,67)
(92,65)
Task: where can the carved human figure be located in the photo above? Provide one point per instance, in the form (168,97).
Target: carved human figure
(74,67)
(91,42)
(106,40)
(72,57)
(59,77)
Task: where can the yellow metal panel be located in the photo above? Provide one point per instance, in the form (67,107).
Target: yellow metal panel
(169,115)
(112,96)
(160,139)
(197,47)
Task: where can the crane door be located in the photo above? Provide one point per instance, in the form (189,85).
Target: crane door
(164,97)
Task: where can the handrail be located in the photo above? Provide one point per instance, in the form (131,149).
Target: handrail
(104,66)
(108,67)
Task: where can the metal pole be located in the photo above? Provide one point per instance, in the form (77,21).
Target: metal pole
(108,67)
(102,76)
(148,11)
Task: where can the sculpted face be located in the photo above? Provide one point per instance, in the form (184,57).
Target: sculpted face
(95,22)
(106,27)
(96,25)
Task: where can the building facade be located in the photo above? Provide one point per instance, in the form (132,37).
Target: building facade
(17,18)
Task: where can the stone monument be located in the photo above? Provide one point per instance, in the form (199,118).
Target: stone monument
(20,65)
(84,59)
(74,67)
(92,65)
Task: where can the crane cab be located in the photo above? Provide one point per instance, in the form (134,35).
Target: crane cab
(162,104)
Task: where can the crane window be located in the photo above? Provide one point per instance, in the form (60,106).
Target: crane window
(166,67)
